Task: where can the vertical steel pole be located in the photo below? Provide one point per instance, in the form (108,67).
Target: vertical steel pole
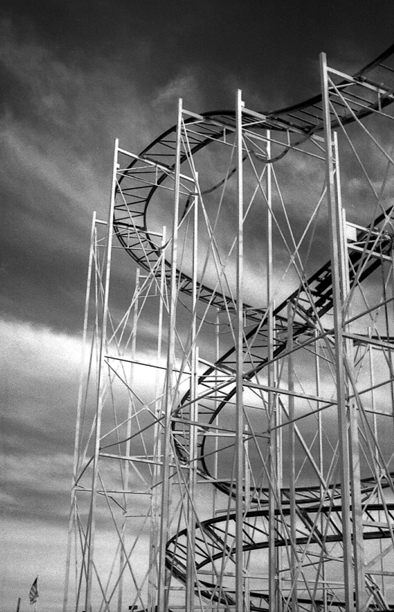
(239,574)
(248,530)
(375,432)
(338,300)
(191,562)
(122,556)
(355,469)
(216,421)
(79,412)
(168,400)
(272,467)
(191,567)
(321,462)
(101,382)
(292,452)
(154,536)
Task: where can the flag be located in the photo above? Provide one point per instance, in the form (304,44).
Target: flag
(33,594)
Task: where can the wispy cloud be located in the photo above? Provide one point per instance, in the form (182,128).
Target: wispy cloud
(40,373)
(184,85)
(39,378)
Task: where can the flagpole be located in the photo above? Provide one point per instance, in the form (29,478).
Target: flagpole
(18,605)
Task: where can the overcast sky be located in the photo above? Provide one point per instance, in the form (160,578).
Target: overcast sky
(75,75)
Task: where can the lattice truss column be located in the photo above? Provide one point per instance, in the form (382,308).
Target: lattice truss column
(234,438)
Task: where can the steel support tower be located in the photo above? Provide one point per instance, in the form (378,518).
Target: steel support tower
(234,443)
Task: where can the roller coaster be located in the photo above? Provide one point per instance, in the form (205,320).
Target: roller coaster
(234,441)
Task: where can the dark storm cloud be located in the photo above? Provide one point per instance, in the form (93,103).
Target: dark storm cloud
(77,77)
(264,46)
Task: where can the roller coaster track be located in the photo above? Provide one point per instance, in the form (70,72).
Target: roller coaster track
(216,531)
(313,299)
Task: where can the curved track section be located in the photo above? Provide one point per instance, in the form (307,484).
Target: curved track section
(299,122)
(215,537)
(311,301)
(318,508)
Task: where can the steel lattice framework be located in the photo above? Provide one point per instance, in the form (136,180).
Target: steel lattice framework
(235,418)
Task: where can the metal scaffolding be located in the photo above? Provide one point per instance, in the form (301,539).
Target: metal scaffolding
(235,418)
